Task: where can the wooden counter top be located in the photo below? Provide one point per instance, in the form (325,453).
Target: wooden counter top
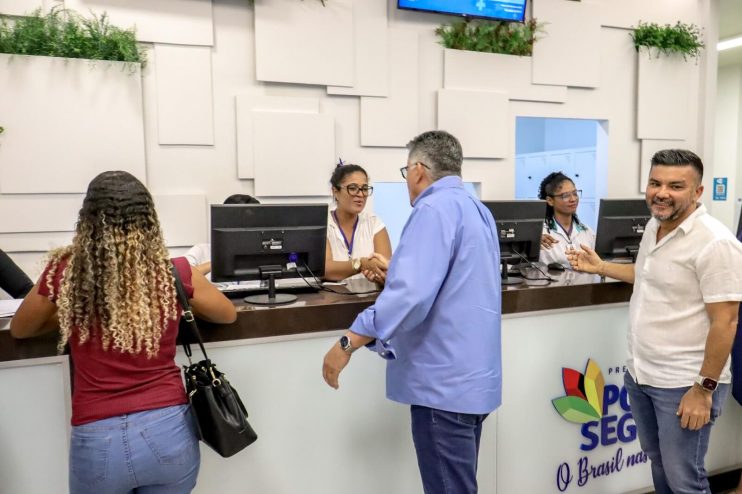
(325,311)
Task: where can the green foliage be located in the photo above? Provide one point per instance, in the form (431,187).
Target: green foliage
(510,38)
(680,38)
(63,33)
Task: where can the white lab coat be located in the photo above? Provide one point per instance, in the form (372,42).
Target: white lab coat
(581,234)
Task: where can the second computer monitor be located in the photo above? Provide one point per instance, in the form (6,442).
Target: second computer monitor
(258,241)
(621,224)
(519,228)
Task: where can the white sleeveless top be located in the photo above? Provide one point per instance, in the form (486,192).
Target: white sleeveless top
(363,242)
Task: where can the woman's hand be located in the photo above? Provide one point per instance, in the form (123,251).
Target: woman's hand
(383,261)
(374,268)
(547,241)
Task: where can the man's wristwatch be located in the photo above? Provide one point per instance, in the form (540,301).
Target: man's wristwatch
(356,263)
(345,344)
(707,383)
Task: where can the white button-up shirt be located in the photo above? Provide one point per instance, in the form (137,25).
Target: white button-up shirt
(699,262)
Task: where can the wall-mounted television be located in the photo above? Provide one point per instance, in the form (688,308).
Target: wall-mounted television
(504,10)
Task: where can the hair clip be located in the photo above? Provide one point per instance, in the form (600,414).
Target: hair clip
(340,162)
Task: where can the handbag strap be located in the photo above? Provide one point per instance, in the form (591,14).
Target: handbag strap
(187,315)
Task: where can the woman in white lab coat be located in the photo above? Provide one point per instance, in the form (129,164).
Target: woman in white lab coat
(562,231)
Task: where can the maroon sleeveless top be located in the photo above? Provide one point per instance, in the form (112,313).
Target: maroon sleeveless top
(110,382)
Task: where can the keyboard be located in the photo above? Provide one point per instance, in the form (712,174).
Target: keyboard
(287,284)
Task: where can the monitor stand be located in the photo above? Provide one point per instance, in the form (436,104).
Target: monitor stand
(504,278)
(271,298)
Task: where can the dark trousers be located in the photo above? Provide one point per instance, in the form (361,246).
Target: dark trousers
(447,445)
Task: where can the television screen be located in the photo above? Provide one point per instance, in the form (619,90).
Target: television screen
(507,10)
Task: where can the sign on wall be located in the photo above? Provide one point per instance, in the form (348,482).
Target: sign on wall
(603,413)
(720,188)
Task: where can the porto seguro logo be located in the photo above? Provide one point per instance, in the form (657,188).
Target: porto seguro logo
(604,413)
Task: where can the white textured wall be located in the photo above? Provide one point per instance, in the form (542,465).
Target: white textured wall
(190,166)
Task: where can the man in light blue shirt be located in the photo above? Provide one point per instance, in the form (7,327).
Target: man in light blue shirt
(437,322)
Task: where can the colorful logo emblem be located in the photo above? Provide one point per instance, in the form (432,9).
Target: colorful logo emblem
(583,402)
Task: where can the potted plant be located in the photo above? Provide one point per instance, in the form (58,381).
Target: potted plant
(664,80)
(72,103)
(509,38)
(63,33)
(479,53)
(683,39)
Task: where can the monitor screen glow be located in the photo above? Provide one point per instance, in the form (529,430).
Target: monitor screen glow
(506,10)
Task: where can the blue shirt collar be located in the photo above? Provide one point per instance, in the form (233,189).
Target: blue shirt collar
(447,182)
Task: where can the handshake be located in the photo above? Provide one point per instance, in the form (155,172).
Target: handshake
(374,268)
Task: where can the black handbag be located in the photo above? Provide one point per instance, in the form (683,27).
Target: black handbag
(220,413)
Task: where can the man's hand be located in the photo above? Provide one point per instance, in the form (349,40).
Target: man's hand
(695,408)
(383,261)
(547,241)
(585,260)
(335,361)
(374,268)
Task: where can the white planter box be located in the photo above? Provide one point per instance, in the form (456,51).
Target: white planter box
(663,95)
(67,120)
(477,71)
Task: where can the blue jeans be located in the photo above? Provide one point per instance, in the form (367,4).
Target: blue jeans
(150,452)
(447,445)
(677,454)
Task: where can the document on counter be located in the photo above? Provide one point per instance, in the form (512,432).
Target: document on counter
(8,307)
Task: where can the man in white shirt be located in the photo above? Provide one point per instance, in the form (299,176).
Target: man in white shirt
(683,318)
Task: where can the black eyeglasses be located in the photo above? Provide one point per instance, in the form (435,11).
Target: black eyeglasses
(406,168)
(355,189)
(565,196)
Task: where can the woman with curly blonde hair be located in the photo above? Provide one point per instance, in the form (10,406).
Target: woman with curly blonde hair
(112,296)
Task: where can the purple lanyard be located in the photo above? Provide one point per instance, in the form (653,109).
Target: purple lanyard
(567,233)
(349,245)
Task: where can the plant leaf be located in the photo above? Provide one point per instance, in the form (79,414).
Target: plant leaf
(575,409)
(594,386)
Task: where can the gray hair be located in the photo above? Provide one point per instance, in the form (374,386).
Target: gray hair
(439,150)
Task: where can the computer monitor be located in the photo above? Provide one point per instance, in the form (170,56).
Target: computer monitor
(519,228)
(506,10)
(621,224)
(267,241)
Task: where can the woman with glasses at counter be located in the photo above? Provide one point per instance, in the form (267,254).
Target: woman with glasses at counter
(358,244)
(562,231)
